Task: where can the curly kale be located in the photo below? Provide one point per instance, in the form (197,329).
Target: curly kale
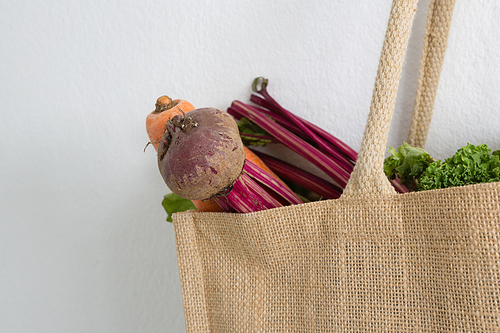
(406,164)
(469,165)
(416,169)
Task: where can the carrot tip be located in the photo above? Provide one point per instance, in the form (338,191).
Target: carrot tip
(163,103)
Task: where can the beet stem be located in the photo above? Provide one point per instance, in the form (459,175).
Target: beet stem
(309,128)
(301,177)
(271,183)
(339,158)
(247,196)
(343,149)
(306,150)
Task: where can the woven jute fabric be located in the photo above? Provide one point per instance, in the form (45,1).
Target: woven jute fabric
(435,42)
(368,176)
(371,261)
(417,262)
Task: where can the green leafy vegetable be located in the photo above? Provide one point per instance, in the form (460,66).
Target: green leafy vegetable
(175,204)
(469,165)
(406,164)
(415,168)
(251,134)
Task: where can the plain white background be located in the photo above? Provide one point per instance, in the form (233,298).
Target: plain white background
(84,245)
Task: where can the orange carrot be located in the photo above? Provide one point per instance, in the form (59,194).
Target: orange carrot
(207,205)
(165,109)
(156,121)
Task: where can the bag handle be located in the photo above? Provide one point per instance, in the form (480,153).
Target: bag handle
(368,178)
(433,51)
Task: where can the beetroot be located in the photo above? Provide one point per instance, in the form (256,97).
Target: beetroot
(201,154)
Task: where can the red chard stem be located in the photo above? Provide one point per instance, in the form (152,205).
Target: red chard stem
(318,158)
(271,183)
(301,177)
(247,196)
(270,103)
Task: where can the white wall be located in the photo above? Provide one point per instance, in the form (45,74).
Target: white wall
(84,246)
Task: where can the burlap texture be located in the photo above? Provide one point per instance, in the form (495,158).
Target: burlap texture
(417,262)
(371,261)
(368,176)
(435,42)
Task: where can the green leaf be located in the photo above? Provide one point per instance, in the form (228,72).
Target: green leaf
(407,163)
(469,165)
(175,204)
(256,135)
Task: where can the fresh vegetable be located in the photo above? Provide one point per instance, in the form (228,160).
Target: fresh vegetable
(156,122)
(406,164)
(174,204)
(469,165)
(268,121)
(201,156)
(332,167)
(302,178)
(156,125)
(255,159)
(209,205)
(321,138)
(165,108)
(256,190)
(418,171)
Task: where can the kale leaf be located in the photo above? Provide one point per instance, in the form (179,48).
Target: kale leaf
(469,165)
(416,169)
(406,164)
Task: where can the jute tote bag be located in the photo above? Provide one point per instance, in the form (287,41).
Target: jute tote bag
(371,261)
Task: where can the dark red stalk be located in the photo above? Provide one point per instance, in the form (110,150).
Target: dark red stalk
(333,153)
(224,205)
(271,183)
(322,161)
(301,177)
(313,130)
(300,124)
(256,190)
(281,120)
(319,136)
(344,150)
(246,196)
